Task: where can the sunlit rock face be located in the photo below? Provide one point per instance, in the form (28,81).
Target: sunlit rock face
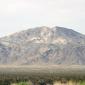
(43,45)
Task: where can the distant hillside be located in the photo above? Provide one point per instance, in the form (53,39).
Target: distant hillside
(43,45)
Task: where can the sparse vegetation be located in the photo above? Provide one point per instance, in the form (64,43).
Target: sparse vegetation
(40,75)
(43,82)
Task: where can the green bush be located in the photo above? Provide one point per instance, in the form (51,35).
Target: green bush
(82,83)
(22,83)
(25,83)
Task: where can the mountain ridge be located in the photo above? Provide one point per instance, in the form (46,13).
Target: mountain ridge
(43,45)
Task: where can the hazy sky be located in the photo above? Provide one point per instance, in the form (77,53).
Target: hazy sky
(16,15)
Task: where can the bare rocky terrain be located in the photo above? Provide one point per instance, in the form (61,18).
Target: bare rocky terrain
(43,45)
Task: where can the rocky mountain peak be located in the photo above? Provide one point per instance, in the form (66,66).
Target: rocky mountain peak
(43,45)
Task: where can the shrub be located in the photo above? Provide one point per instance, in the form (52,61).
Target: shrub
(25,83)
(82,83)
(22,83)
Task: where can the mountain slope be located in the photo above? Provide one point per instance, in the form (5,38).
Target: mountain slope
(43,45)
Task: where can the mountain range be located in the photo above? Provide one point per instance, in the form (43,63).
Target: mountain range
(43,45)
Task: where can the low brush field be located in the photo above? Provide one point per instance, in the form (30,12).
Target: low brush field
(46,74)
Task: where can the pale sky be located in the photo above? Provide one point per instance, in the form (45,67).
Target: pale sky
(17,15)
